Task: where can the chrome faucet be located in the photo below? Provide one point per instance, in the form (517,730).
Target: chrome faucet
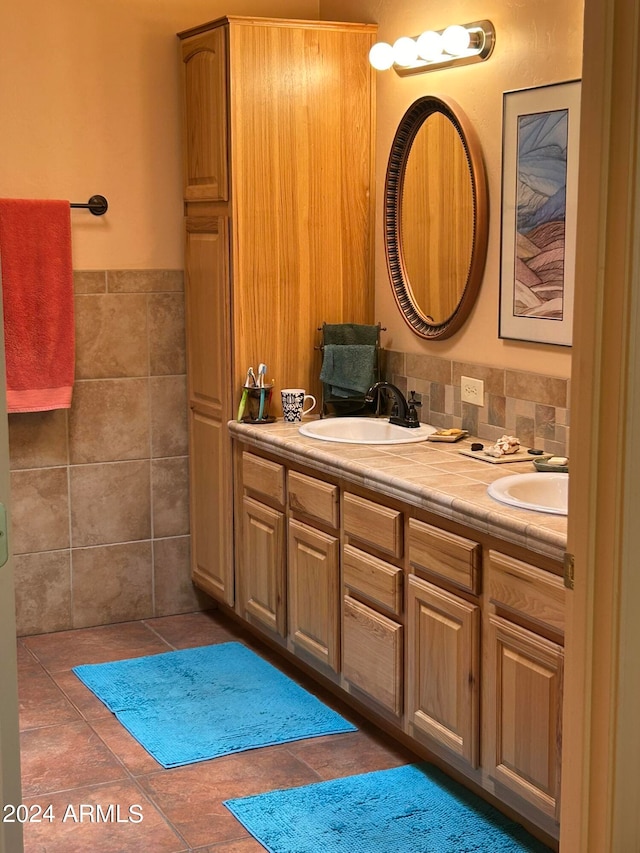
(406,415)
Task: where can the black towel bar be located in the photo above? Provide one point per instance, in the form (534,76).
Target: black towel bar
(97,204)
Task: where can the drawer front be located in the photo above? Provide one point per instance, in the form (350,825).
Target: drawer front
(262,476)
(373,524)
(452,557)
(372,654)
(313,498)
(378,581)
(527,590)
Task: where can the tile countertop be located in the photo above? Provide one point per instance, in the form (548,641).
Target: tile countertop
(430,475)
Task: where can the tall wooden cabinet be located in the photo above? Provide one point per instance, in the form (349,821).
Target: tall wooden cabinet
(278,189)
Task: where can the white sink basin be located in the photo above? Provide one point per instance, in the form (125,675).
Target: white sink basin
(542,492)
(364,431)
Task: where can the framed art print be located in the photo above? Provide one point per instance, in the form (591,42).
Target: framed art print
(540,141)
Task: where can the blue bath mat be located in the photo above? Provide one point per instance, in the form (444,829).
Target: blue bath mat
(409,809)
(195,704)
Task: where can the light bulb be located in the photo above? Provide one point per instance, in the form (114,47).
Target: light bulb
(455,40)
(381,56)
(429,45)
(405,51)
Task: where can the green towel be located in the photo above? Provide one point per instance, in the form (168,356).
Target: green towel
(348,369)
(350,333)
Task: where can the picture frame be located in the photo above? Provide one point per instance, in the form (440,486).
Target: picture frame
(540,145)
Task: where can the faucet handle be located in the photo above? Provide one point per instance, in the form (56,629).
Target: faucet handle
(412,414)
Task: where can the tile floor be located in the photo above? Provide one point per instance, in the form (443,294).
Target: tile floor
(74,752)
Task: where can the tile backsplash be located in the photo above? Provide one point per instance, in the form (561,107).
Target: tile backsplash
(531,406)
(99,492)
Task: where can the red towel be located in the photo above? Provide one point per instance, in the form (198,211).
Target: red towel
(37,285)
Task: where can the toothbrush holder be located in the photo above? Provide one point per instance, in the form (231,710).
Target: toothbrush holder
(258,404)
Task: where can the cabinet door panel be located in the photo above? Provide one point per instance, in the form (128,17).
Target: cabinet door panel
(207,317)
(523,685)
(263,567)
(211,513)
(204,62)
(314,593)
(443,691)
(372,654)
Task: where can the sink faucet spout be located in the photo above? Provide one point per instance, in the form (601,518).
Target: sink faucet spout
(406,414)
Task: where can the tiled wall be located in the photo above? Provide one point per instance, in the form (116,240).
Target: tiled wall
(530,406)
(99,492)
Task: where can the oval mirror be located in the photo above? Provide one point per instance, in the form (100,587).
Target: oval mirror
(436,217)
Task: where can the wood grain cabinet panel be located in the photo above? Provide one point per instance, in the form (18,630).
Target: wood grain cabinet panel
(444,668)
(314,584)
(210,459)
(446,554)
(211,516)
(313,498)
(204,77)
(372,578)
(207,295)
(262,571)
(373,524)
(523,589)
(372,655)
(263,476)
(523,701)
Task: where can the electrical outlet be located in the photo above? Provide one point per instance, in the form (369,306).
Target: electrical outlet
(472,391)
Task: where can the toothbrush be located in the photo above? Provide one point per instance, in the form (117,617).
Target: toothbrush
(262,369)
(243,403)
(250,380)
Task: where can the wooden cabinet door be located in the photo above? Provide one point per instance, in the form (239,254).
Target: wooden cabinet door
(205,120)
(262,572)
(372,654)
(443,673)
(208,313)
(314,605)
(523,698)
(209,389)
(211,514)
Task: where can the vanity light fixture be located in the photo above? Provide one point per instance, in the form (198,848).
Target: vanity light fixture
(460,44)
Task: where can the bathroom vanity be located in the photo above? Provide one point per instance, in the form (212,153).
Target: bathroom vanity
(439,613)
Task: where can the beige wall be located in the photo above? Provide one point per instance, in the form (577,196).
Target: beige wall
(537,42)
(89,104)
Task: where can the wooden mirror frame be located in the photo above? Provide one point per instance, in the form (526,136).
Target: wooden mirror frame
(410,124)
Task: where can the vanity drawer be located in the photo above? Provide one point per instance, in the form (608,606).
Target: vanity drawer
(373,524)
(372,654)
(313,498)
(521,588)
(263,476)
(372,578)
(445,554)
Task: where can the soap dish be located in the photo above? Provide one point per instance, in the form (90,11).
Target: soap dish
(448,435)
(546,466)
